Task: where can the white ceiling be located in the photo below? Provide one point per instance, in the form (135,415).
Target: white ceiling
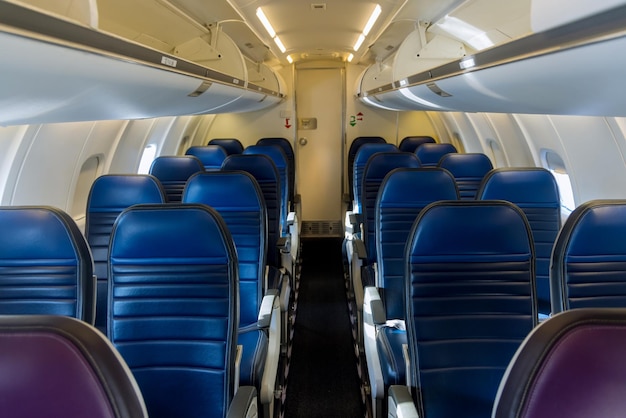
(309,29)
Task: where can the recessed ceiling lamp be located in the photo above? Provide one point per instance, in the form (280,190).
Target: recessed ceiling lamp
(350,57)
(368,27)
(270,30)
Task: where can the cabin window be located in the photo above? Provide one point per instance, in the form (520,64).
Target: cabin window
(149,154)
(553,162)
(88,174)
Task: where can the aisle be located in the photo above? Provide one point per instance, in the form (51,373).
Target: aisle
(323,380)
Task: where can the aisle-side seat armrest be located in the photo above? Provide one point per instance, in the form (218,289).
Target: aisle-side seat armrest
(374,305)
(270,320)
(291,218)
(401,403)
(266,309)
(283,244)
(359,249)
(244,403)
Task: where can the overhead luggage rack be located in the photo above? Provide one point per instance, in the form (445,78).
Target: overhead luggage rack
(65,71)
(583,57)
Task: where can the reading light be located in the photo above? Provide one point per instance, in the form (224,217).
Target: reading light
(289,59)
(359,41)
(266,23)
(279,44)
(372,20)
(350,57)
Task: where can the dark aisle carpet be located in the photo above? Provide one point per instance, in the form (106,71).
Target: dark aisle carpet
(323,379)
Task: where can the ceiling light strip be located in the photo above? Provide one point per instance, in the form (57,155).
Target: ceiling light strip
(368,26)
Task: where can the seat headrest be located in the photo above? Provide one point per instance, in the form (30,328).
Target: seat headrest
(112,192)
(451,229)
(466,165)
(60,366)
(430,154)
(523,186)
(416,187)
(173,168)
(571,365)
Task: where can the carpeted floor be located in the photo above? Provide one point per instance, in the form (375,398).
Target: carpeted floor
(323,379)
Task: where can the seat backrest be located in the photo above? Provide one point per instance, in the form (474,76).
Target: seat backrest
(469,302)
(173,308)
(212,156)
(360,160)
(468,171)
(568,367)
(110,194)
(264,171)
(410,143)
(357,143)
(589,258)
(377,167)
(430,154)
(45,264)
(403,194)
(61,367)
(287,148)
(173,172)
(279,158)
(535,191)
(245,217)
(231,145)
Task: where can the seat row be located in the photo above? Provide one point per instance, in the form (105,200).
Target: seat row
(392,199)
(143,291)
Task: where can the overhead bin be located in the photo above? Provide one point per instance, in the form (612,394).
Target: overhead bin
(63,71)
(573,69)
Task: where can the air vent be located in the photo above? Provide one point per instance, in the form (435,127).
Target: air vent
(318,6)
(389,47)
(249,45)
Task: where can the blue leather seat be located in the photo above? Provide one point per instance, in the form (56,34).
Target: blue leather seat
(55,366)
(230,145)
(535,191)
(357,143)
(571,365)
(410,143)
(245,216)
(279,158)
(211,156)
(468,170)
(109,196)
(402,196)
(360,161)
(264,171)
(173,172)
(430,154)
(285,145)
(589,258)
(377,167)
(173,307)
(45,264)
(470,302)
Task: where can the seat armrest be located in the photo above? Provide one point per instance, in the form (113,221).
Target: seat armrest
(359,249)
(291,218)
(265,311)
(283,244)
(374,305)
(297,198)
(270,317)
(244,403)
(401,403)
